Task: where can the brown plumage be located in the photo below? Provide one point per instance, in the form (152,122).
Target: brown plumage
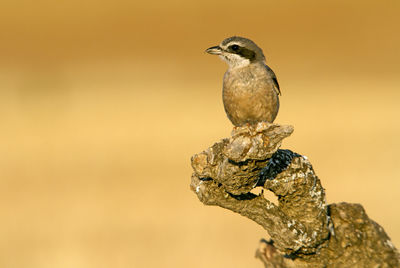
(250,88)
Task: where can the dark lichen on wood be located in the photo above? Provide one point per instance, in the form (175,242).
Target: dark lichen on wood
(305,230)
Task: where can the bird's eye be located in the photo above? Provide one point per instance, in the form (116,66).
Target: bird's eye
(234,47)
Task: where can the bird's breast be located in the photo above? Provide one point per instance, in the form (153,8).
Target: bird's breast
(249,97)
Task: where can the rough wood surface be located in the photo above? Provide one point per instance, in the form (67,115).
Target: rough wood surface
(304,230)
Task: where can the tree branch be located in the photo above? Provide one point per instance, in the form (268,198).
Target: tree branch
(304,229)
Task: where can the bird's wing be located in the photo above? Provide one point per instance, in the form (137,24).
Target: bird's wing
(274,79)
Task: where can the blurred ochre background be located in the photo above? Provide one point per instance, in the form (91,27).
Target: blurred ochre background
(103,103)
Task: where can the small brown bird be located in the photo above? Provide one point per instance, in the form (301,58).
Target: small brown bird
(250,88)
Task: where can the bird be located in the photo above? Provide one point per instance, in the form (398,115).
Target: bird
(250,88)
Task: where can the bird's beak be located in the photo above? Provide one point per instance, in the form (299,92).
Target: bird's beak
(217,50)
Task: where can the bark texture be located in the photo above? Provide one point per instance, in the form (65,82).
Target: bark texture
(305,231)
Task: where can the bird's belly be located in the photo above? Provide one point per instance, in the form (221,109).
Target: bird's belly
(250,106)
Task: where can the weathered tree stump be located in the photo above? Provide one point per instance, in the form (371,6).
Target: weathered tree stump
(305,231)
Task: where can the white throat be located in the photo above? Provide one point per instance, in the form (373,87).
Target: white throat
(234,61)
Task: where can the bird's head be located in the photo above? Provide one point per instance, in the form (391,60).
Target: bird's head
(238,51)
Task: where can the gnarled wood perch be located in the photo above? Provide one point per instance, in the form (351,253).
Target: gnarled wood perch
(305,231)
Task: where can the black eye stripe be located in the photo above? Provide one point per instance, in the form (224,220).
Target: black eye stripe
(248,54)
(242,51)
